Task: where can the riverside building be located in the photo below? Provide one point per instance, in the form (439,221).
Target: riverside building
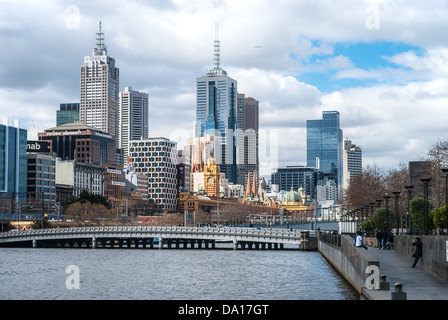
(156,158)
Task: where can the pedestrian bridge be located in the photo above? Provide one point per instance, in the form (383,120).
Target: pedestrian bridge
(158,237)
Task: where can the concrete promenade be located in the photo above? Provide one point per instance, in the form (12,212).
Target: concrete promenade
(417,283)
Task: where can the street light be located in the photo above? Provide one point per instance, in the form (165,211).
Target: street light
(425,182)
(397,193)
(387,197)
(409,188)
(445,171)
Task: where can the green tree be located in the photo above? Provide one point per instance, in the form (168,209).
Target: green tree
(439,217)
(417,208)
(379,219)
(37,224)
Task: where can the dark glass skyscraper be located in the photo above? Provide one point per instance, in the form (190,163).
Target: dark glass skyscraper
(325,145)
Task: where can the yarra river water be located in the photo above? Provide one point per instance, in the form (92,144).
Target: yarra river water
(169,274)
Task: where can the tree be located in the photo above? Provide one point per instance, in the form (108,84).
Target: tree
(417,208)
(37,224)
(439,217)
(379,219)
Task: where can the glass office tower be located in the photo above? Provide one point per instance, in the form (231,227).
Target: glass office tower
(13,161)
(216,114)
(325,145)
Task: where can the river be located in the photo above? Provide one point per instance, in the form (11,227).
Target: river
(171,274)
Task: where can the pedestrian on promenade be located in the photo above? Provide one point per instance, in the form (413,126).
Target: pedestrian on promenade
(359,241)
(384,238)
(418,250)
(379,239)
(390,241)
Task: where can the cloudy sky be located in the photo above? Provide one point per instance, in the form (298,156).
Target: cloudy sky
(382,64)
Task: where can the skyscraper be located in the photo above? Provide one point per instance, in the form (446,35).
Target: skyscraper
(13,161)
(324,146)
(352,161)
(133,118)
(216,113)
(247,149)
(99,86)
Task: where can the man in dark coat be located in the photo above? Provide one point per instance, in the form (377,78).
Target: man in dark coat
(418,250)
(379,237)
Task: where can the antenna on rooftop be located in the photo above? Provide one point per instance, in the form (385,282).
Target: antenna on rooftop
(217,50)
(100,41)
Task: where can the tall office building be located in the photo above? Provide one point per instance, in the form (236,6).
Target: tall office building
(13,161)
(352,161)
(324,146)
(99,88)
(216,114)
(133,118)
(247,149)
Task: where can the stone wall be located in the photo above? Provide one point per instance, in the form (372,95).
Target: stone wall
(349,260)
(434,253)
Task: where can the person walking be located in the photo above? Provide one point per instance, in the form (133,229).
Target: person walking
(417,243)
(379,239)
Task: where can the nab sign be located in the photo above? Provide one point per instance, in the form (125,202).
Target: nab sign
(38,146)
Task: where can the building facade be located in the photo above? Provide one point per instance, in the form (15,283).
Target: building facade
(157,159)
(41,178)
(13,161)
(67,113)
(352,156)
(76,141)
(248,124)
(324,146)
(133,118)
(295,177)
(99,88)
(216,114)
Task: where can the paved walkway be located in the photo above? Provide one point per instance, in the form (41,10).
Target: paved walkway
(417,283)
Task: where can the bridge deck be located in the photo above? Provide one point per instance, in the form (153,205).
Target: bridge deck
(231,234)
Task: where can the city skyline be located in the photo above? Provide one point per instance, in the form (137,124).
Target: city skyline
(381,65)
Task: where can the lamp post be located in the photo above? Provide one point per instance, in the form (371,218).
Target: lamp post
(445,171)
(409,188)
(397,215)
(371,209)
(387,197)
(425,182)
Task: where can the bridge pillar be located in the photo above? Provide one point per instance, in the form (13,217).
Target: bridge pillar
(235,244)
(93,243)
(160,243)
(34,243)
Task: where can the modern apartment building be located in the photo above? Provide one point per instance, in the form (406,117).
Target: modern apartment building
(133,118)
(99,88)
(156,158)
